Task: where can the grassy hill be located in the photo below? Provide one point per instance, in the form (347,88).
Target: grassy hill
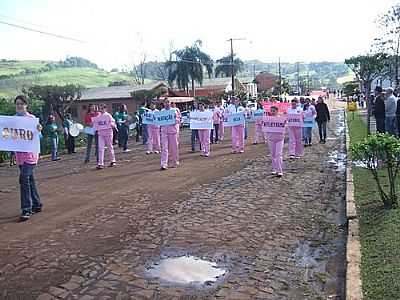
(26,73)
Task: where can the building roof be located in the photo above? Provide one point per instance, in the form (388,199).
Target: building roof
(118,92)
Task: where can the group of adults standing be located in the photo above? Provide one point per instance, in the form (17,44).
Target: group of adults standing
(386,110)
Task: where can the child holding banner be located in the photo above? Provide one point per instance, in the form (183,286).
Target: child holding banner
(104,124)
(295,128)
(169,139)
(237,130)
(274,127)
(27,161)
(204,136)
(153,143)
(258,117)
(309,121)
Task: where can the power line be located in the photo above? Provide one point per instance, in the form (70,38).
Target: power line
(42,32)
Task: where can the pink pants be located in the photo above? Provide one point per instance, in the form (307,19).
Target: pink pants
(295,141)
(221,130)
(204,137)
(238,138)
(275,144)
(106,140)
(169,148)
(258,134)
(153,143)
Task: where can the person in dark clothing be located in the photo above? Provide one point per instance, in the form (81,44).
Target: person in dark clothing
(322,118)
(379,110)
(398,117)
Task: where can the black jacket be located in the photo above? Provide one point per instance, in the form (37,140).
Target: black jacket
(398,108)
(322,112)
(379,107)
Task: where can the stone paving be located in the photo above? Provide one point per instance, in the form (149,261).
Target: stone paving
(278,238)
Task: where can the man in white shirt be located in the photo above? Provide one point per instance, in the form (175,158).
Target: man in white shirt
(390,111)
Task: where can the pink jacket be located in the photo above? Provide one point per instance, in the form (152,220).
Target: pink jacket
(27,157)
(104,124)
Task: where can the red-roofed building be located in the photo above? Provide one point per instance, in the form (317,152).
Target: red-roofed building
(266,81)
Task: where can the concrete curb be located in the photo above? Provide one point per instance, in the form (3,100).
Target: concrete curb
(353,249)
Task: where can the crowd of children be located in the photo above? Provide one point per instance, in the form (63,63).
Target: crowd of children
(270,125)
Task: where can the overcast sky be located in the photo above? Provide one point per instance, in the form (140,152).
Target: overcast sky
(116,32)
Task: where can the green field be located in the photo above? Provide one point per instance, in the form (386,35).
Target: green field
(379,231)
(88,77)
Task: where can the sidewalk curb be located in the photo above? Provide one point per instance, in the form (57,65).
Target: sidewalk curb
(353,247)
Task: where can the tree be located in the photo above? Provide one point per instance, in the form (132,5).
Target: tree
(367,68)
(377,152)
(224,66)
(145,95)
(56,99)
(188,66)
(350,87)
(389,42)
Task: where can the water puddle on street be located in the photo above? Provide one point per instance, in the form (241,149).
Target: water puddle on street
(337,159)
(361,164)
(186,270)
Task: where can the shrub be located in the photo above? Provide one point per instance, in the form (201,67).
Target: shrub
(381,151)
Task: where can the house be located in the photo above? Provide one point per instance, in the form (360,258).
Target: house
(113,97)
(266,81)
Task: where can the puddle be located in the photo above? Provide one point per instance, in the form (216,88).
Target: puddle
(307,256)
(338,159)
(186,270)
(361,164)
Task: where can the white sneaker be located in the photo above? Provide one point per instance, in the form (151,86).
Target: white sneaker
(273,173)
(156,152)
(279,174)
(148,152)
(298,157)
(127,150)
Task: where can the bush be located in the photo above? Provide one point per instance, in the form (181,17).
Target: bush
(381,151)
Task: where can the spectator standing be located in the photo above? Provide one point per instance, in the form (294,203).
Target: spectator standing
(379,110)
(121,118)
(390,112)
(68,138)
(51,130)
(90,114)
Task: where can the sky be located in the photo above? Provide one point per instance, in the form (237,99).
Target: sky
(117,33)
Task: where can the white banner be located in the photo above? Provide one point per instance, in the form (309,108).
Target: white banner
(19,134)
(235,119)
(201,120)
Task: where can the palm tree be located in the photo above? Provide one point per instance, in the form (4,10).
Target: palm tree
(224,66)
(188,66)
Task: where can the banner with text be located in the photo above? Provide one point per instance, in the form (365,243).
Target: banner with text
(201,120)
(295,120)
(235,119)
(274,124)
(165,117)
(148,118)
(19,134)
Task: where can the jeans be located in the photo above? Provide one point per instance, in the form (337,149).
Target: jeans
(54,147)
(123,133)
(380,125)
(89,146)
(322,130)
(390,125)
(145,134)
(194,137)
(307,135)
(216,131)
(245,132)
(29,194)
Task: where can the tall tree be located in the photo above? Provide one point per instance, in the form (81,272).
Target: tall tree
(56,99)
(389,42)
(224,67)
(189,66)
(367,68)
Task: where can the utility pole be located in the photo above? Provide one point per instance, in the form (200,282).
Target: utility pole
(280,78)
(232,65)
(298,77)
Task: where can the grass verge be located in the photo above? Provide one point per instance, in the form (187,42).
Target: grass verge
(379,230)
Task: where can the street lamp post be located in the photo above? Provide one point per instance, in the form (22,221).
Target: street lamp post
(232,65)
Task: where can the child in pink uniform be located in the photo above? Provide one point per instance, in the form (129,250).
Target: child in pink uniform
(258,134)
(169,140)
(153,143)
(238,130)
(295,133)
(204,137)
(275,144)
(104,125)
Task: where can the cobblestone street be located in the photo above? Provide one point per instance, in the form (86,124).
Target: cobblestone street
(278,238)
